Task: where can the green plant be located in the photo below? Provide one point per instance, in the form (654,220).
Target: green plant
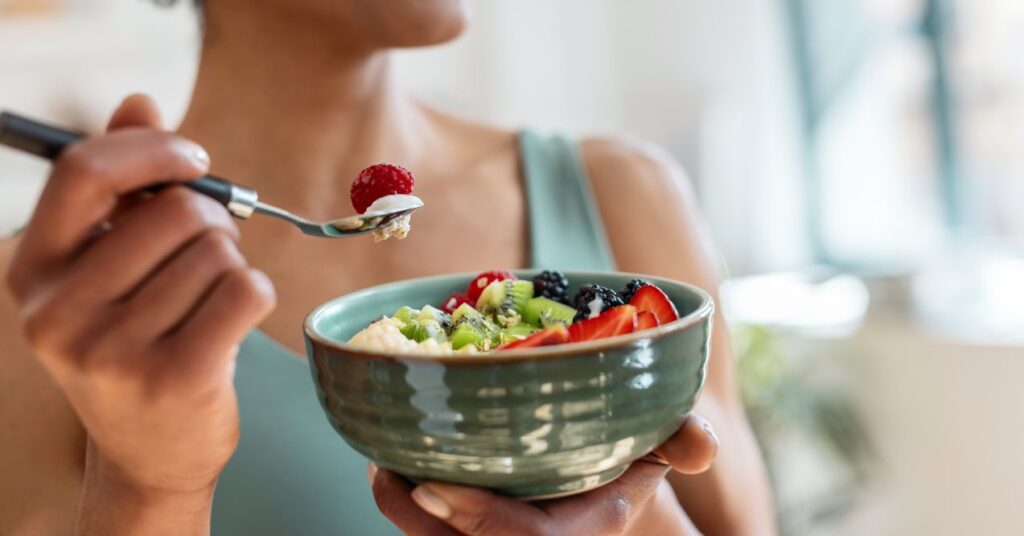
(802,416)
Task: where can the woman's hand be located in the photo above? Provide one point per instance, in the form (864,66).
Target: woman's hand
(638,502)
(136,305)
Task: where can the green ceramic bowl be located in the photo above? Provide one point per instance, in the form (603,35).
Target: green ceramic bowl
(532,424)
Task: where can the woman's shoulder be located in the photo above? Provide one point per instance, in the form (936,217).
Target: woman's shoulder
(634,176)
(627,162)
(641,192)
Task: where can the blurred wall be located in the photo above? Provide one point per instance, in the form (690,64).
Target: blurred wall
(73,62)
(944,415)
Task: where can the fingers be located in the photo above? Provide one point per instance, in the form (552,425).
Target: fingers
(236,303)
(392,493)
(144,238)
(611,508)
(170,295)
(89,178)
(136,110)
(693,448)
(478,512)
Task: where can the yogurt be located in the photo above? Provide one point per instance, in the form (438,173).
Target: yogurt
(385,336)
(398,227)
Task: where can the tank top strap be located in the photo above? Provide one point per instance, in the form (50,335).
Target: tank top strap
(565,227)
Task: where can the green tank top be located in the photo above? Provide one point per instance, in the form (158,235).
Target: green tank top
(292,473)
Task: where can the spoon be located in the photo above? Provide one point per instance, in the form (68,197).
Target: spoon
(49,142)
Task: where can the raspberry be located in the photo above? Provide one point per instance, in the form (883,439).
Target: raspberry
(480,282)
(454,301)
(377,181)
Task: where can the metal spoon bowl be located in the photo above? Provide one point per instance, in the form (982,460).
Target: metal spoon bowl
(356,224)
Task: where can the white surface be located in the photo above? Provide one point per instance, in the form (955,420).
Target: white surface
(832,306)
(946,419)
(77,67)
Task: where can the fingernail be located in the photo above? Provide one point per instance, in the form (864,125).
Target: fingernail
(706,426)
(197,154)
(431,502)
(371,472)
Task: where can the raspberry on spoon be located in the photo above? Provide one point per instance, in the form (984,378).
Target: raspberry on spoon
(378,181)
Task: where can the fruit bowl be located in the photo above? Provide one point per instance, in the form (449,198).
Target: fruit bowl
(537,423)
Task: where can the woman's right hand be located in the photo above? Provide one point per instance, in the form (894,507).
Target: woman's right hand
(136,306)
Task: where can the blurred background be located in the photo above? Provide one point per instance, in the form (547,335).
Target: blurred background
(860,163)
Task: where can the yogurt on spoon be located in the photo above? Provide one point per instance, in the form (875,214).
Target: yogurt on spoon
(398,227)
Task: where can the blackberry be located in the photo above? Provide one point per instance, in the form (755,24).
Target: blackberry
(631,288)
(552,285)
(589,293)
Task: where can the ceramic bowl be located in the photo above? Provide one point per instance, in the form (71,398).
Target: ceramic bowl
(538,423)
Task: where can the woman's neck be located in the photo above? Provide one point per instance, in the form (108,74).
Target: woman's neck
(286,110)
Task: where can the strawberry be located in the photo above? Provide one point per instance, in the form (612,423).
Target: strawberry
(557,334)
(480,282)
(651,299)
(454,301)
(377,181)
(646,320)
(617,321)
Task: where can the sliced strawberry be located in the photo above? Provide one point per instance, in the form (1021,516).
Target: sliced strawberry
(646,320)
(651,299)
(480,282)
(557,334)
(616,321)
(454,301)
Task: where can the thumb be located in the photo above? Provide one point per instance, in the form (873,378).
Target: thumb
(137,110)
(693,448)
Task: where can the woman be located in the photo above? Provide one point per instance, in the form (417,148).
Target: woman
(126,313)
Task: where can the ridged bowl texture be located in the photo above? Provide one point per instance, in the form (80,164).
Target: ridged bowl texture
(539,423)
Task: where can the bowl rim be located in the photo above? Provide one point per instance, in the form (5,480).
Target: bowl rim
(704,311)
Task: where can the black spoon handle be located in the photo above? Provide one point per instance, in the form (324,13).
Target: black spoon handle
(49,142)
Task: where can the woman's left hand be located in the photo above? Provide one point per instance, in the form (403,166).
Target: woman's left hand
(630,503)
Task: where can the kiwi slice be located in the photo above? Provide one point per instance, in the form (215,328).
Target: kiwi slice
(420,331)
(478,331)
(433,314)
(545,312)
(506,300)
(492,296)
(515,333)
(464,335)
(465,311)
(472,327)
(518,295)
(405,314)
